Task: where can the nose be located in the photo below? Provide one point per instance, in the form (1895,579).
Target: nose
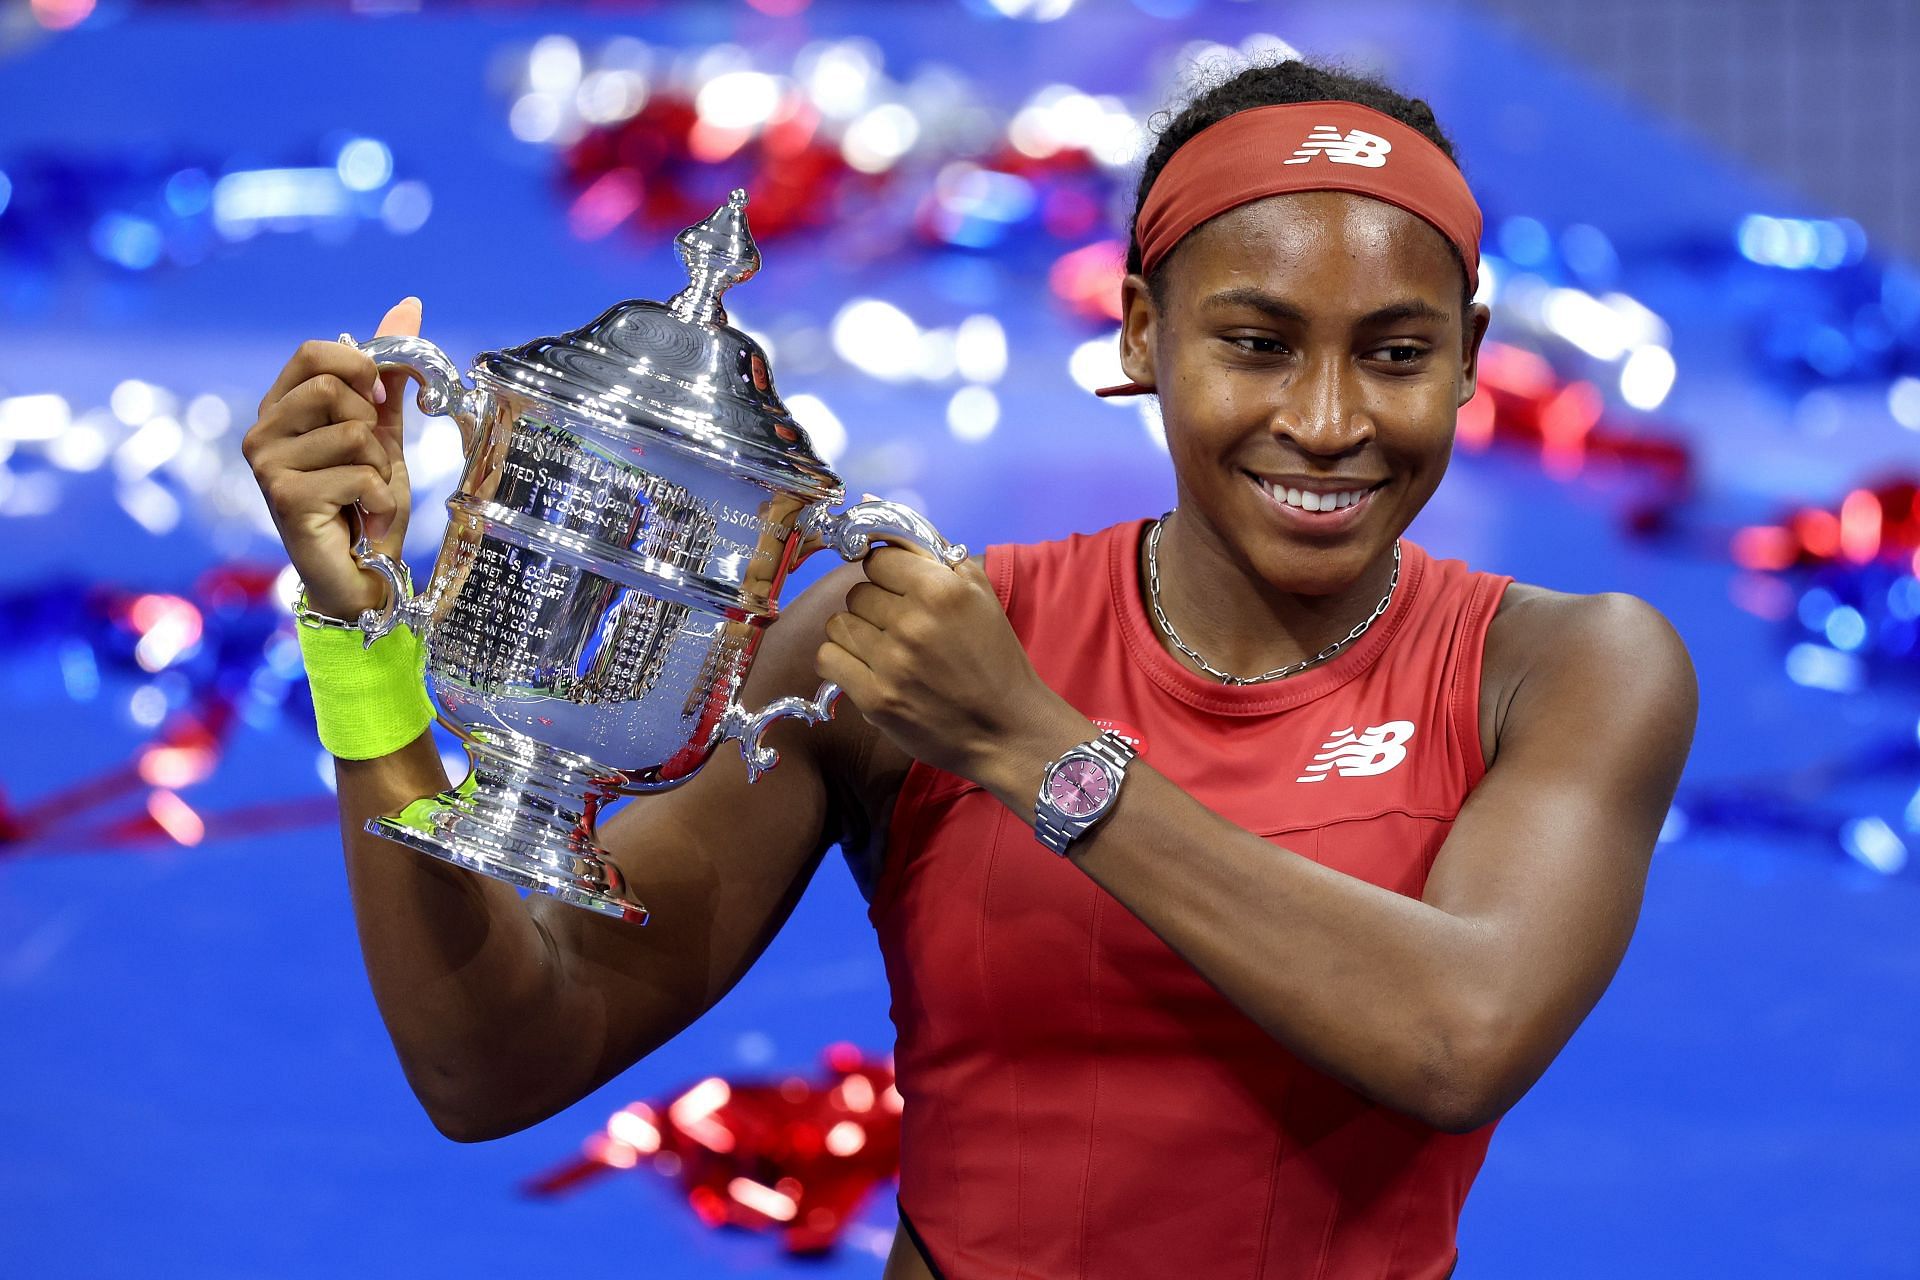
(1322,413)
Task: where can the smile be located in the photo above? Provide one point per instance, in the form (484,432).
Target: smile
(1327,506)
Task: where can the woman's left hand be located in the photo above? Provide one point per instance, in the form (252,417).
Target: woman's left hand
(928,656)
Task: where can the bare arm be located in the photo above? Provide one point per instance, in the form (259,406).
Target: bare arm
(502,1010)
(1446,1008)
(505,1011)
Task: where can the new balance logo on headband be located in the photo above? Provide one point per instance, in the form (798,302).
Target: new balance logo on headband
(1356,146)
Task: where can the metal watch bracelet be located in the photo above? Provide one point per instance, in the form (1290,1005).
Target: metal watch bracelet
(1110,748)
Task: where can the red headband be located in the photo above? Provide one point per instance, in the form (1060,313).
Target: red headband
(1305,146)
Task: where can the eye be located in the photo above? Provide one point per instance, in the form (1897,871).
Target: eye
(1255,345)
(1400,352)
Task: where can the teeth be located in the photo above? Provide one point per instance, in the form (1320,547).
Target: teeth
(1308,500)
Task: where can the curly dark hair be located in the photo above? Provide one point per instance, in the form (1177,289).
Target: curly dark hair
(1269,85)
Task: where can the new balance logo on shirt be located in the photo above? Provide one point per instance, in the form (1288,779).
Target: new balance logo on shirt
(1356,146)
(1361,755)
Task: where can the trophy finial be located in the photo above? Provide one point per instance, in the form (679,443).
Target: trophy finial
(719,253)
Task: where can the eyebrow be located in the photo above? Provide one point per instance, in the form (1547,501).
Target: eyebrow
(1280,309)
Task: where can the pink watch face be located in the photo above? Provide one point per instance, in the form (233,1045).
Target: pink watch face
(1079,787)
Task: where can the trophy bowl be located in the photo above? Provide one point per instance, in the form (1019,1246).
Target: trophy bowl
(633,497)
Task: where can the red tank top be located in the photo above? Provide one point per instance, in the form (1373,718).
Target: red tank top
(1079,1102)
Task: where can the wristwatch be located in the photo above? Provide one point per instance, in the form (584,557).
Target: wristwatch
(1079,789)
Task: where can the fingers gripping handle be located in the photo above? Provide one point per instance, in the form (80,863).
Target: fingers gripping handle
(399,606)
(852,533)
(442,392)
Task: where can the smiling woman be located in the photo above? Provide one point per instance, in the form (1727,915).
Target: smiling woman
(1303,346)
(1317,927)
(1350,839)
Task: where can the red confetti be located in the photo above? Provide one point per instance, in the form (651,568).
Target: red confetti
(137,803)
(793,1156)
(1876,523)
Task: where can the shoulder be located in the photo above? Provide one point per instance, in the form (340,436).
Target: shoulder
(1612,655)
(1543,626)
(1072,547)
(1028,571)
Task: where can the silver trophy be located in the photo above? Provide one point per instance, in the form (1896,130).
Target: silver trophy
(634,495)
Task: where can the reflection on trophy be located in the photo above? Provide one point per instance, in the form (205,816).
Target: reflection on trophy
(633,498)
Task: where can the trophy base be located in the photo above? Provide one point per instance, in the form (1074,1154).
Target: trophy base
(524,817)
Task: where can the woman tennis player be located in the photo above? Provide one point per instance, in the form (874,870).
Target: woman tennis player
(1235,870)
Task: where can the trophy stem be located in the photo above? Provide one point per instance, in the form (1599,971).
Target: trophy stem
(525,816)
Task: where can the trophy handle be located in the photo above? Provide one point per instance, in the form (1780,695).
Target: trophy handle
(442,393)
(852,533)
(748,726)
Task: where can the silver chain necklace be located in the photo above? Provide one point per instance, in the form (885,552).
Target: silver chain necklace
(1278,673)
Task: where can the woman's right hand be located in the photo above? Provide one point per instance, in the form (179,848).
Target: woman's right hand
(327,437)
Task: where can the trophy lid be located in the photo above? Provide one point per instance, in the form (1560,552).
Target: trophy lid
(678,370)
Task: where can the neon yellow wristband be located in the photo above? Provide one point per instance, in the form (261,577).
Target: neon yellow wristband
(367,701)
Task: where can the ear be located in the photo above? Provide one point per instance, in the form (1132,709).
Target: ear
(1478,317)
(1139,322)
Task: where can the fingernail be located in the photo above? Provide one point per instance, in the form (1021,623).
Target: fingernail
(379,389)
